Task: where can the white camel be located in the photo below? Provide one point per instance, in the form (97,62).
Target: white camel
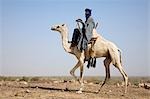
(102,48)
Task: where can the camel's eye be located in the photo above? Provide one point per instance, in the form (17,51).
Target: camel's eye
(57,27)
(63,24)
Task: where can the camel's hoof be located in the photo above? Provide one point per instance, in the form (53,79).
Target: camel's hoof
(79,92)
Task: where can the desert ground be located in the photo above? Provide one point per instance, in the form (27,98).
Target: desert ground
(66,87)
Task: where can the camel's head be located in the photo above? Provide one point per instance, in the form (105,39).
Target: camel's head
(59,28)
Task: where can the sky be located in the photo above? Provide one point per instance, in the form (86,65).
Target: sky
(29,48)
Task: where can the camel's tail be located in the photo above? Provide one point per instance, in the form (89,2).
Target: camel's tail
(120,56)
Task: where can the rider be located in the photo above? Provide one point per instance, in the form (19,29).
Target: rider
(89,26)
(87,35)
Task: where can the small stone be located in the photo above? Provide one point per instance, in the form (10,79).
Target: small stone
(85,81)
(55,82)
(1,83)
(118,85)
(72,81)
(79,92)
(16,94)
(27,91)
(141,85)
(17,79)
(110,91)
(65,81)
(24,82)
(129,83)
(90,83)
(147,85)
(122,84)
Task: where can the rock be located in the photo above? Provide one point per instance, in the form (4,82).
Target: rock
(91,83)
(122,84)
(79,92)
(118,85)
(85,81)
(97,83)
(147,85)
(58,81)
(55,82)
(61,81)
(129,84)
(23,82)
(27,91)
(65,81)
(144,85)
(110,91)
(17,79)
(1,83)
(17,94)
(141,85)
(20,94)
(72,81)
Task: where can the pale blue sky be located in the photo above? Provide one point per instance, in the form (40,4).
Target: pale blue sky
(29,48)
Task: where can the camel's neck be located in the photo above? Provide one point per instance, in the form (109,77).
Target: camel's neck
(65,43)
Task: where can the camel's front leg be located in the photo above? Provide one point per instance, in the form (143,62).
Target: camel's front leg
(81,73)
(81,80)
(73,70)
(80,63)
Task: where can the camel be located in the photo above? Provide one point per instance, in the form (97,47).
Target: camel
(102,48)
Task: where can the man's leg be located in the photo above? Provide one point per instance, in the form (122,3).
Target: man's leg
(92,60)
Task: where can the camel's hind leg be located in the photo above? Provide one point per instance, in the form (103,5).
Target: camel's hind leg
(107,62)
(125,77)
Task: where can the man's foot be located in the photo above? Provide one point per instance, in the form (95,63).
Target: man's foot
(91,62)
(94,62)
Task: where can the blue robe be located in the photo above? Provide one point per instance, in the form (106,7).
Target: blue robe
(85,39)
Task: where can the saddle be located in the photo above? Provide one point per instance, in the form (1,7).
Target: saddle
(93,40)
(76,37)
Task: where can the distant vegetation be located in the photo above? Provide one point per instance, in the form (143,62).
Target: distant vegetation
(93,79)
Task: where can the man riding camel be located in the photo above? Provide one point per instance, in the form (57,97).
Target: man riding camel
(82,38)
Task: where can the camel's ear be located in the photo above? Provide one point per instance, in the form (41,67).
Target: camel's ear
(63,24)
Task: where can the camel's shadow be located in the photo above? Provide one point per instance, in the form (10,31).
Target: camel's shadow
(60,89)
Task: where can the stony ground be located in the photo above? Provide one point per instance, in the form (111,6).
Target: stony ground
(58,88)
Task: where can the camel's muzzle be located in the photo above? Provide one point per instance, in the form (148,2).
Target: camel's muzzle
(52,28)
